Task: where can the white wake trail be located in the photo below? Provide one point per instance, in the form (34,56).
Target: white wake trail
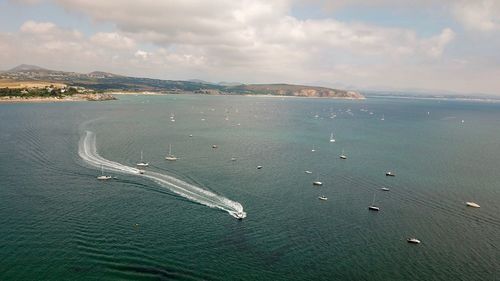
(87,150)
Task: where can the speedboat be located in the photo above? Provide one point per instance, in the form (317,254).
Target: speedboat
(214,146)
(190,136)
(317,183)
(308,172)
(385,189)
(413,240)
(390,174)
(373,208)
(324,198)
(259,167)
(472,204)
(239,215)
(233,158)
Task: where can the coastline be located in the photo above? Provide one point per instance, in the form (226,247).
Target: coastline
(73,98)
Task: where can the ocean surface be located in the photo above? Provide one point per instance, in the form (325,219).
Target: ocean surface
(175,222)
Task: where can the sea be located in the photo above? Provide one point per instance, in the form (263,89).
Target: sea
(177,220)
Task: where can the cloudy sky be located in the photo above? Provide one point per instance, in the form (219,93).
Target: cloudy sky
(446,45)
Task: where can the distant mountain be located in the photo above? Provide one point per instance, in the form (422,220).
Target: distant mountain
(104,81)
(26,67)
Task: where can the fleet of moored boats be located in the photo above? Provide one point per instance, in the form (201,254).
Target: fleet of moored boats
(239,215)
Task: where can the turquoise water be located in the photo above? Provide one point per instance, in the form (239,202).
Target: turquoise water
(57,222)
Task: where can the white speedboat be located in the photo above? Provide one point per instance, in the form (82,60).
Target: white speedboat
(385,189)
(308,172)
(317,183)
(214,146)
(103,177)
(233,158)
(239,215)
(332,139)
(472,204)
(142,163)
(259,167)
(413,240)
(324,198)
(170,156)
(390,174)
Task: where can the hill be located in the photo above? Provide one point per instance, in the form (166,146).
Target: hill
(104,81)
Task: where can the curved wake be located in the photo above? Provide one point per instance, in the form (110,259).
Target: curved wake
(88,151)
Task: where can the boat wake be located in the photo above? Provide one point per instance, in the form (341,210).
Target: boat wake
(87,150)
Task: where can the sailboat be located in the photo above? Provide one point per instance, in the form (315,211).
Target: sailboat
(331,138)
(372,207)
(317,182)
(343,156)
(170,156)
(142,163)
(102,176)
(313,150)
(383,117)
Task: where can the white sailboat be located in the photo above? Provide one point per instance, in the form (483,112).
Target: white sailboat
(343,156)
(332,139)
(373,207)
(170,156)
(313,149)
(142,163)
(317,182)
(102,176)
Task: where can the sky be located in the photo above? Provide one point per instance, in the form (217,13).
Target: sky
(443,45)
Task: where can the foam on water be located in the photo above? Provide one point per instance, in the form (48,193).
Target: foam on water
(87,150)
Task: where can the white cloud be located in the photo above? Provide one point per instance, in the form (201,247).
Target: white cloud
(482,15)
(112,40)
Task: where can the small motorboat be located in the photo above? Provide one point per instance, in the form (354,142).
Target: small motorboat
(472,204)
(413,241)
(385,189)
(308,172)
(324,198)
(214,146)
(390,174)
(233,158)
(259,167)
(317,183)
(240,215)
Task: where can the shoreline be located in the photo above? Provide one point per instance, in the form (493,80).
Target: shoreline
(73,98)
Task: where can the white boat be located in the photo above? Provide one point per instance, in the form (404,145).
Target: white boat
(385,189)
(190,136)
(324,198)
(259,167)
(239,215)
(308,172)
(102,176)
(142,163)
(233,158)
(373,207)
(390,174)
(170,156)
(313,149)
(317,182)
(214,146)
(343,156)
(472,204)
(413,240)
(383,118)
(331,138)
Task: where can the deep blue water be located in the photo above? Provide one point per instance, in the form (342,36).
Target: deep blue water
(57,222)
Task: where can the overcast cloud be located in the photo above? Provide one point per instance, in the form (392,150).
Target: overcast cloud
(266,41)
